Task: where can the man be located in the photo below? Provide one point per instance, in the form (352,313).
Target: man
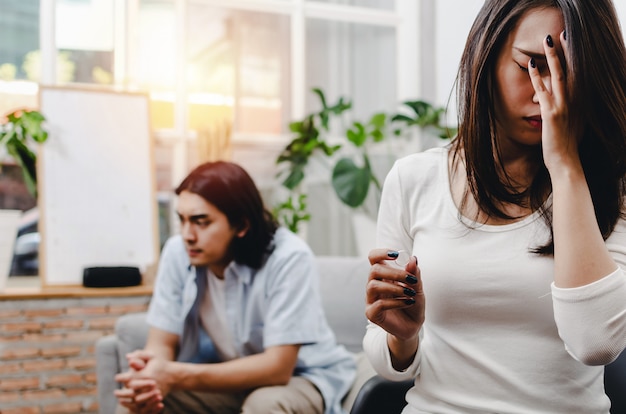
(236,322)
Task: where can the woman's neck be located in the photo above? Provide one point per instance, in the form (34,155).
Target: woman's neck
(517,172)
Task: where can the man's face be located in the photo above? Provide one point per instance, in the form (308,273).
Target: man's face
(206,231)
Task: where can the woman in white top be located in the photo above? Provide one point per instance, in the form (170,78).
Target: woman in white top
(515,295)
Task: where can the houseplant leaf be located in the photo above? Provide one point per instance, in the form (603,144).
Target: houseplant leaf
(350,182)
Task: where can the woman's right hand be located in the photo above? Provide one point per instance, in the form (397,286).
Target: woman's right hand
(394,296)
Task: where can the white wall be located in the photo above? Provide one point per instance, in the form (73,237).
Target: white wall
(453,19)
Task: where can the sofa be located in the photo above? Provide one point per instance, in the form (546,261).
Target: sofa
(342,288)
(342,283)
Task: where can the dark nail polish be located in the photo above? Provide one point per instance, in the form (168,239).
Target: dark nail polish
(393,254)
(409,301)
(410,279)
(533,64)
(549,41)
(409,292)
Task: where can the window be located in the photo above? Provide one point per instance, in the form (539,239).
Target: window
(223,77)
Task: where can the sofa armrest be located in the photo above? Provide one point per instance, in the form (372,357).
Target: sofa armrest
(132,333)
(107,365)
(379,395)
(615,383)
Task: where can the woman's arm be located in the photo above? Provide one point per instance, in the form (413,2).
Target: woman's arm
(589,290)
(580,254)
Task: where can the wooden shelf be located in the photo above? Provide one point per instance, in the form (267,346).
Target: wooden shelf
(72,291)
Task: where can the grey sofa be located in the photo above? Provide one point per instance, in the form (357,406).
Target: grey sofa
(342,287)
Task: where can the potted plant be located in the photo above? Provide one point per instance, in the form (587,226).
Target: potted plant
(19,131)
(353,177)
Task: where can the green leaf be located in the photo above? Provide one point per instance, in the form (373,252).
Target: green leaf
(26,159)
(419,107)
(378,120)
(321,96)
(296,126)
(351,183)
(357,134)
(294,178)
(329,150)
(377,135)
(403,118)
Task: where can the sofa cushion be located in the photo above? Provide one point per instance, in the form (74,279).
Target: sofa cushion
(342,289)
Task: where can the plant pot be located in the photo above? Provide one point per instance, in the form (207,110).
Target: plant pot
(9,221)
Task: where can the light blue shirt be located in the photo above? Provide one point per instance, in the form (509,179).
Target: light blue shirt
(278,304)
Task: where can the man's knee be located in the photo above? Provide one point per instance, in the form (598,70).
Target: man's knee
(265,400)
(299,396)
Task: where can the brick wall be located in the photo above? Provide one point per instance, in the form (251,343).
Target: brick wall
(47,361)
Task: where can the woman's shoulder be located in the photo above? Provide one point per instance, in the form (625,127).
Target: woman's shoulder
(431,156)
(426,164)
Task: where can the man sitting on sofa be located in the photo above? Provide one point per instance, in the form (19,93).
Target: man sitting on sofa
(236,321)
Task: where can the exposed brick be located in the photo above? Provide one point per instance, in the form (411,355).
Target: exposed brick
(64,380)
(74,392)
(47,357)
(7,339)
(103,323)
(96,310)
(92,405)
(9,397)
(90,378)
(43,338)
(33,313)
(83,336)
(81,363)
(9,313)
(31,409)
(60,352)
(66,407)
(19,353)
(39,395)
(21,327)
(10,368)
(123,309)
(64,324)
(16,384)
(43,365)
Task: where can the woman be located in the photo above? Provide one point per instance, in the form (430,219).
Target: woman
(516,297)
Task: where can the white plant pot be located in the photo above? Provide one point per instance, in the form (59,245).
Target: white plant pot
(9,221)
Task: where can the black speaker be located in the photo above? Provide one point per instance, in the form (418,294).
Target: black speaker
(116,276)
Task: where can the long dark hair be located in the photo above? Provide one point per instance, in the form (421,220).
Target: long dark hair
(231,190)
(596,82)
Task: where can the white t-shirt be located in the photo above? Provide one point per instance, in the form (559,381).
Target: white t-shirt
(213,316)
(498,337)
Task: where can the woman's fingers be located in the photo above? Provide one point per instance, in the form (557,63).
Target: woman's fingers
(378,255)
(377,289)
(553,52)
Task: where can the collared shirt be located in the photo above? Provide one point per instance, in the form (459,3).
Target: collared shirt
(278,304)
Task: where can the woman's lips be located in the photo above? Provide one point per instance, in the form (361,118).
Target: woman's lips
(534,121)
